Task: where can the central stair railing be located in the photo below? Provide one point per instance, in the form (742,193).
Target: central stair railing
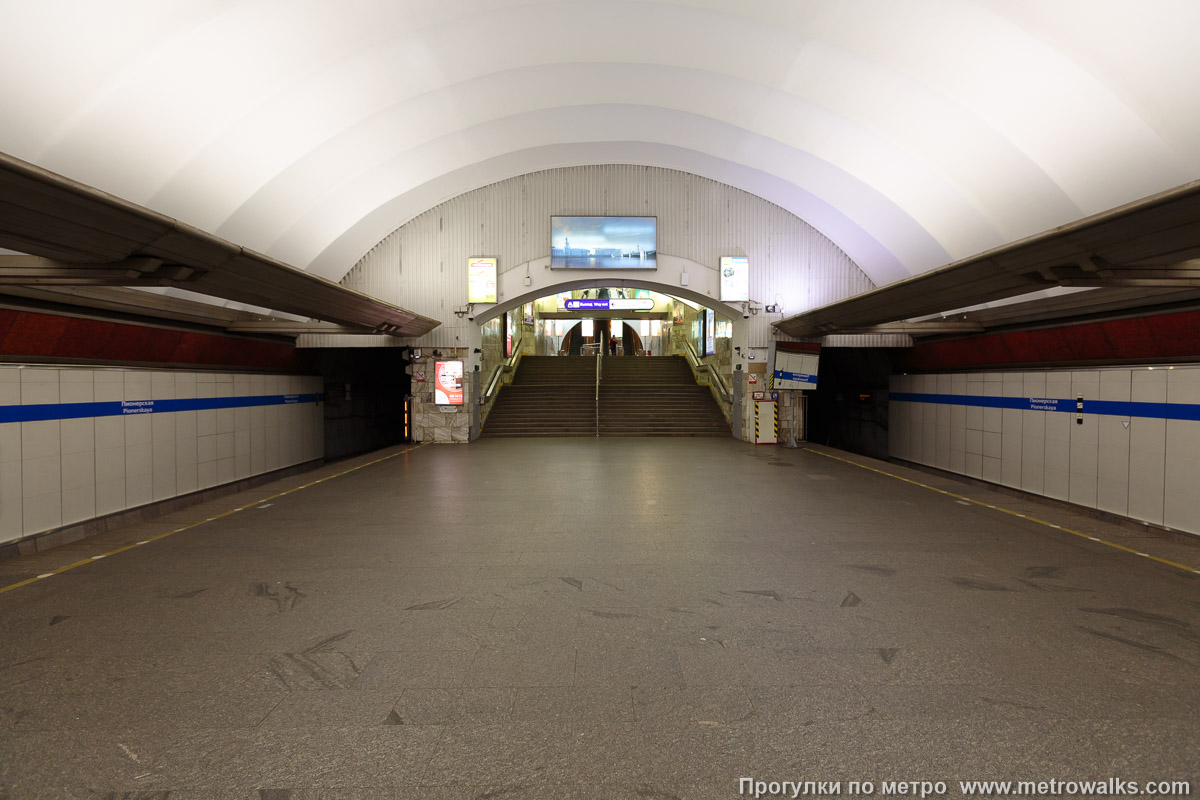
(599,369)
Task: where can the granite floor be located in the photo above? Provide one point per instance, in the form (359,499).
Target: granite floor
(614,618)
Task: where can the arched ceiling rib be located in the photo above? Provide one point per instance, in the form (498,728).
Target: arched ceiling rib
(864,248)
(698,135)
(912,133)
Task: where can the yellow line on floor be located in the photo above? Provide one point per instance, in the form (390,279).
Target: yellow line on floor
(964,499)
(258,502)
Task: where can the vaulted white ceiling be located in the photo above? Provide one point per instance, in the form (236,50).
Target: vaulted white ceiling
(911,132)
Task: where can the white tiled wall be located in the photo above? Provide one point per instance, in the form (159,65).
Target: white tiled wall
(60,472)
(1139,467)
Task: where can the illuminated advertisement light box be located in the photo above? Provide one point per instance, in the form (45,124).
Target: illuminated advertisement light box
(710,332)
(447,385)
(632,304)
(677,312)
(603,242)
(585,328)
(735,279)
(615,304)
(481,280)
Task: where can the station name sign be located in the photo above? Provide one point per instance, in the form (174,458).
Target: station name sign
(794,377)
(615,304)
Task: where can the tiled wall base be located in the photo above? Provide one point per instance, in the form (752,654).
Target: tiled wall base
(1120,439)
(73,533)
(78,443)
(1049,502)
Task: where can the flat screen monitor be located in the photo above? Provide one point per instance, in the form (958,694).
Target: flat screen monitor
(603,242)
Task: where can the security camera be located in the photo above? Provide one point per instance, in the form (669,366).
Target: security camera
(745,316)
(470,319)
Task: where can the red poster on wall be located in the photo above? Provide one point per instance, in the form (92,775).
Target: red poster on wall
(447,383)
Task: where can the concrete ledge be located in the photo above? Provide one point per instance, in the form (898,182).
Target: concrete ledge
(39,542)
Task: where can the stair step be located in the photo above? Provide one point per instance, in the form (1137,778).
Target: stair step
(556,396)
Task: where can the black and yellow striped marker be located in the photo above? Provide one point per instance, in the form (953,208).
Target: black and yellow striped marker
(775,420)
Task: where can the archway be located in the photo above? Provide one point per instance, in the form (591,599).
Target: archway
(683,292)
(629,338)
(730,354)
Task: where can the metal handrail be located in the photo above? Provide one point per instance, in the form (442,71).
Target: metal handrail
(504,366)
(496,373)
(599,371)
(714,377)
(719,379)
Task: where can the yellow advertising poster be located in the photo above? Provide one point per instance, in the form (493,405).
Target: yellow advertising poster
(481,280)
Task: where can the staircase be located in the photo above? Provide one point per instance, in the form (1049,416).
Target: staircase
(555,396)
(549,396)
(656,397)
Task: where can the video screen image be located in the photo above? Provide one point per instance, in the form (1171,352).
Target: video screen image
(603,242)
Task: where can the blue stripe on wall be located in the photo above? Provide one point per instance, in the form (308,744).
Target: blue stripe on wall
(1116,408)
(799,377)
(117,408)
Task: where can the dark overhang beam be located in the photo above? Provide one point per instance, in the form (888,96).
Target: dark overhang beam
(134,271)
(1183,275)
(1155,240)
(96,239)
(927,328)
(285,327)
